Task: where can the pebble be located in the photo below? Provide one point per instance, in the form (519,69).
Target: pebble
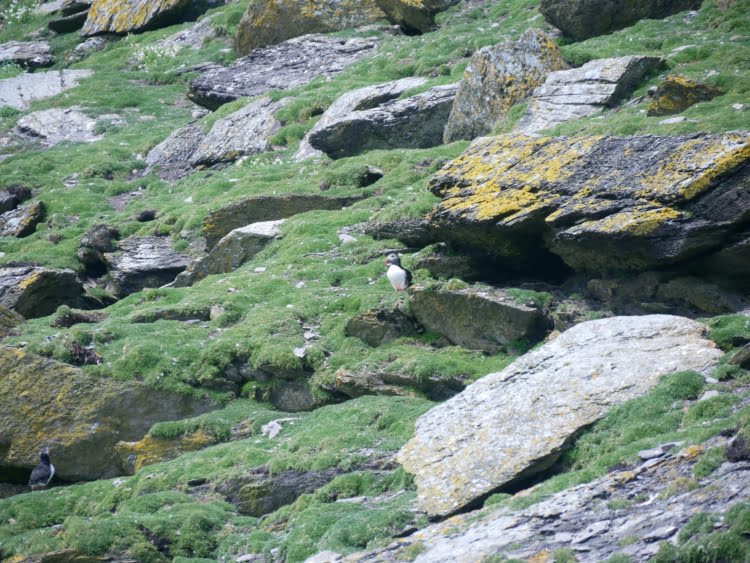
(672,120)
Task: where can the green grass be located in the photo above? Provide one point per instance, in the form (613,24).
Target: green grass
(120,516)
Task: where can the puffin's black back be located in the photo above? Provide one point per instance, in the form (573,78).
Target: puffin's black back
(42,472)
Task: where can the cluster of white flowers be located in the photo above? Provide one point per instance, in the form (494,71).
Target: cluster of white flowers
(147,57)
(17,10)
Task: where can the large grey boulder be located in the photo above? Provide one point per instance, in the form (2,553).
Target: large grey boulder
(116,16)
(18,92)
(141,262)
(53,126)
(601,204)
(514,423)
(243,132)
(415,122)
(572,94)
(581,19)
(497,78)
(170,159)
(80,418)
(356,100)
(31,54)
(34,291)
(288,65)
(12,196)
(269,22)
(478,317)
(381,325)
(22,221)
(266,208)
(231,252)
(415,16)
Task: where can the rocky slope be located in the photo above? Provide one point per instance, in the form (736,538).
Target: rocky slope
(196,197)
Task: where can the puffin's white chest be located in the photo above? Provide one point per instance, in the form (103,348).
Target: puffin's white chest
(397,277)
(51,473)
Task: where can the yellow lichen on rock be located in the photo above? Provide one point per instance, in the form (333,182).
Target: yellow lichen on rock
(124,16)
(136,455)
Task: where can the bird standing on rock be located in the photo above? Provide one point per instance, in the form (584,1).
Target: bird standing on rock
(43,473)
(399,276)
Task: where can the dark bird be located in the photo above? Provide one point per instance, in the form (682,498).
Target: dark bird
(399,276)
(43,473)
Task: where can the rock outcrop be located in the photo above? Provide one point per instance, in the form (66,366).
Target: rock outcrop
(356,100)
(95,242)
(171,158)
(269,22)
(599,203)
(131,16)
(415,16)
(18,92)
(361,382)
(498,430)
(191,38)
(231,252)
(22,221)
(290,64)
(12,196)
(266,208)
(8,321)
(575,93)
(52,126)
(243,132)
(141,262)
(478,318)
(675,94)
(498,77)
(581,19)
(415,122)
(639,513)
(33,291)
(380,326)
(80,419)
(31,54)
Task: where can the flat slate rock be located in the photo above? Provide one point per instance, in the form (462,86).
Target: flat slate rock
(171,158)
(410,123)
(30,54)
(497,78)
(597,521)
(53,126)
(129,16)
(601,204)
(356,100)
(281,67)
(478,317)
(246,131)
(498,430)
(141,262)
(34,291)
(575,93)
(18,92)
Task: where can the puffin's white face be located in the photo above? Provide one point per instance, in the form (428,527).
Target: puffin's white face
(392,259)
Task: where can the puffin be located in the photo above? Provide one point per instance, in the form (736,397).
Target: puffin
(43,473)
(399,276)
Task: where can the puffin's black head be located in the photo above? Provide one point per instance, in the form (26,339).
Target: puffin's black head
(392,259)
(44,455)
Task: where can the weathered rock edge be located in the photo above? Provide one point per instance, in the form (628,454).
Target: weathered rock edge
(603,204)
(511,424)
(80,418)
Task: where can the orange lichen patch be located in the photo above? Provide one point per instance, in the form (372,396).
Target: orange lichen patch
(31,280)
(543,556)
(152,450)
(692,452)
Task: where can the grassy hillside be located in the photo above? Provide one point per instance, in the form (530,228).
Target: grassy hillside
(309,278)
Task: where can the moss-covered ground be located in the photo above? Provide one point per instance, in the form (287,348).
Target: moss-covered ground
(310,278)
